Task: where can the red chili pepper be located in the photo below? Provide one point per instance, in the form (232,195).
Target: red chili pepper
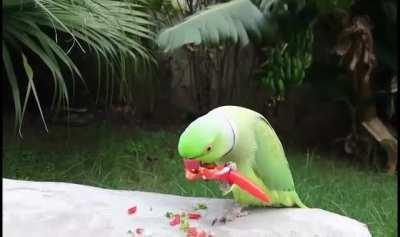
(194,215)
(196,171)
(191,232)
(250,187)
(132,210)
(139,231)
(176,220)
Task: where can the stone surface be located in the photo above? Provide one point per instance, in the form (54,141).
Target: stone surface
(50,209)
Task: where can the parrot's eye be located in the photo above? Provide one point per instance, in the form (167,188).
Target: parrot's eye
(208,148)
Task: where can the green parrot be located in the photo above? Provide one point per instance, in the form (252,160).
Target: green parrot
(243,137)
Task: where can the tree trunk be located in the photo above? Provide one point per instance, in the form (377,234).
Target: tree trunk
(204,78)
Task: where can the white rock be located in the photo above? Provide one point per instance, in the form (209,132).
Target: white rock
(50,209)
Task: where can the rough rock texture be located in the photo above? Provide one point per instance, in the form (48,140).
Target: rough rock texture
(49,209)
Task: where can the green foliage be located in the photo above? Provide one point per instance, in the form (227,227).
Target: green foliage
(31,87)
(112,29)
(233,20)
(286,64)
(270,20)
(110,157)
(163,9)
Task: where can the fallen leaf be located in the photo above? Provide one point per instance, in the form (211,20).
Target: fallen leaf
(169,214)
(184,223)
(201,206)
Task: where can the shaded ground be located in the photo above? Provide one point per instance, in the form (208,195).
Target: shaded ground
(141,157)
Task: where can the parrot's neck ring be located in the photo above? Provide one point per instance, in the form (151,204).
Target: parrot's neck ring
(233,136)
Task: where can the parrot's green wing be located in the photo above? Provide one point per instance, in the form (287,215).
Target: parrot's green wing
(271,165)
(270,161)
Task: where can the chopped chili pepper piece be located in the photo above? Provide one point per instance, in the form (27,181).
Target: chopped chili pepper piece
(176,220)
(192,232)
(194,215)
(132,210)
(202,234)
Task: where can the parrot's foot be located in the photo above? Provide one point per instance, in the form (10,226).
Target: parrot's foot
(224,186)
(231,165)
(233,213)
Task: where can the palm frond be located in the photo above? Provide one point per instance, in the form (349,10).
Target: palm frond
(31,88)
(10,72)
(113,29)
(231,21)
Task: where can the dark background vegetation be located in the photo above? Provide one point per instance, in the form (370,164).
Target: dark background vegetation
(330,115)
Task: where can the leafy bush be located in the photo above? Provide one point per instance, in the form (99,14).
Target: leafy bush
(286,63)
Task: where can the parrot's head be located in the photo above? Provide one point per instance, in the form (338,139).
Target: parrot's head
(207,139)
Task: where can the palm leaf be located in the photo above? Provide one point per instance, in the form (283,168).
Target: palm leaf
(233,21)
(13,84)
(31,87)
(114,29)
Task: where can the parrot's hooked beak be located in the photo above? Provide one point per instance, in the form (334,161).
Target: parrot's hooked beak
(191,164)
(192,168)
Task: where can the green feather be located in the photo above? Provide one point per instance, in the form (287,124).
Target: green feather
(259,156)
(272,166)
(270,163)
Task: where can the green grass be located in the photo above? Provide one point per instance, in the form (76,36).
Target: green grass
(107,157)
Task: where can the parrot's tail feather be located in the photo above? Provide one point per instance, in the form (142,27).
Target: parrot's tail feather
(301,204)
(287,199)
(298,202)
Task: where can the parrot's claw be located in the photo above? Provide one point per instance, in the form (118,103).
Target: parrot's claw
(231,165)
(225,188)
